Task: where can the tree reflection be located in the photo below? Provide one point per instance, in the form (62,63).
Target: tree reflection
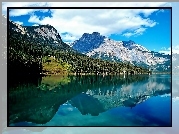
(38,102)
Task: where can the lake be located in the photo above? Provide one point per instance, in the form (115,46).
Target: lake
(138,100)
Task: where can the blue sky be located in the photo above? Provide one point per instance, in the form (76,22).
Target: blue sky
(156,37)
(150,28)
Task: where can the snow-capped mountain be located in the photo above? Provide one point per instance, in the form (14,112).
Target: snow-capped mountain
(98,46)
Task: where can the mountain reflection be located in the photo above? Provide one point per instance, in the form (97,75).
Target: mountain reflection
(90,94)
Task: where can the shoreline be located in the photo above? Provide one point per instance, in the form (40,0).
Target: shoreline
(83,74)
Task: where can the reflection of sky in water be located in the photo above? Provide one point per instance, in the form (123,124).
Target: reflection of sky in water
(143,114)
(104,105)
(104,130)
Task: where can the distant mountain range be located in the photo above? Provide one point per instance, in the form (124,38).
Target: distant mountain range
(98,46)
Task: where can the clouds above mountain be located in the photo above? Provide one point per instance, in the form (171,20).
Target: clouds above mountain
(106,21)
(138,31)
(75,22)
(175,50)
(19,22)
(165,50)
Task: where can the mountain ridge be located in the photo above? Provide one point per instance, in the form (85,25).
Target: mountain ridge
(121,51)
(43,34)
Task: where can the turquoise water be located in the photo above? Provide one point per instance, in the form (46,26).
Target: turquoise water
(142,100)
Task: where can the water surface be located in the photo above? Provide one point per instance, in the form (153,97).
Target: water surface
(140,100)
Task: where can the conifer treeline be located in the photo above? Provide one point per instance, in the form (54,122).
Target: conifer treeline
(26,54)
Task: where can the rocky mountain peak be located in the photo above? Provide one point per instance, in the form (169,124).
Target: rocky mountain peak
(43,34)
(128,43)
(98,46)
(88,42)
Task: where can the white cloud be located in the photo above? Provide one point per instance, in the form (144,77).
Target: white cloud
(140,30)
(68,37)
(175,49)
(137,32)
(35,25)
(105,21)
(160,11)
(165,50)
(18,22)
(128,34)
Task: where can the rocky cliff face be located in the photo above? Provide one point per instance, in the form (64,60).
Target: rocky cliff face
(88,42)
(98,46)
(44,34)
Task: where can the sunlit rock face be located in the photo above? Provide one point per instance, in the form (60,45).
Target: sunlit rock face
(43,35)
(98,46)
